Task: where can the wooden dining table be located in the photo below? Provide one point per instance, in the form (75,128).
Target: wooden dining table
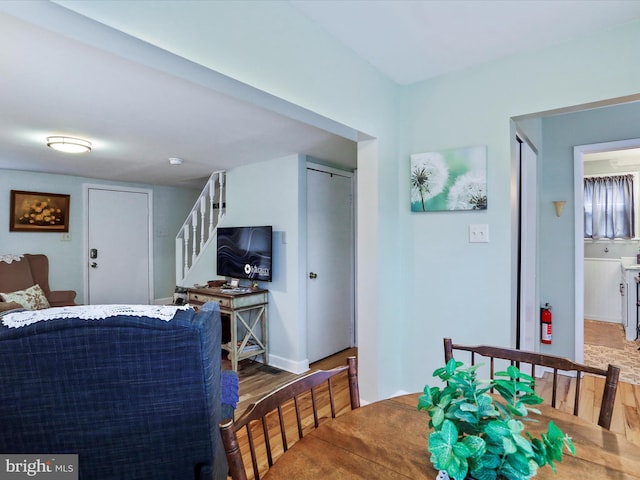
(389,439)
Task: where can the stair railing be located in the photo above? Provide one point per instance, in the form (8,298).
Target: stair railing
(198,230)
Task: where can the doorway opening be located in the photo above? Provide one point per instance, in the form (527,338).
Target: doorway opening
(599,263)
(527,245)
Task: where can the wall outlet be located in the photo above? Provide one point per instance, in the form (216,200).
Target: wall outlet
(478,233)
(65,237)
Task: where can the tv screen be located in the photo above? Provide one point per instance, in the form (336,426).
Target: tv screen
(245,252)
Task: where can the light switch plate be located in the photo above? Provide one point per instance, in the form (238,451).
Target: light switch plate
(478,233)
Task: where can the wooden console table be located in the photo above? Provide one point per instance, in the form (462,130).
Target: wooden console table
(246,308)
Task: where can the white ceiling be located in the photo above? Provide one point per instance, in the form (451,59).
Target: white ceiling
(136,116)
(414,40)
(140,115)
(626,159)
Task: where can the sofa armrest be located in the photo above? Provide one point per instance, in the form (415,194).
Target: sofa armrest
(61,298)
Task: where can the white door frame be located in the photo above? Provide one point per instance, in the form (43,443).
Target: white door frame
(528,244)
(85,206)
(578,201)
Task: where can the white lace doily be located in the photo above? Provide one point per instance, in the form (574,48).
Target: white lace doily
(90,312)
(8,258)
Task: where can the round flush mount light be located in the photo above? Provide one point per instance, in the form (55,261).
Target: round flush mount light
(175,161)
(69,144)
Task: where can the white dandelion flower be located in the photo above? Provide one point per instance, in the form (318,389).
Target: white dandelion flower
(429,174)
(469,192)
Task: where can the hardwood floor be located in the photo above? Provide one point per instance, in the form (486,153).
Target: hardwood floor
(255,381)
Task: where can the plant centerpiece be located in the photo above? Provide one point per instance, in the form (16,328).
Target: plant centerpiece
(476,436)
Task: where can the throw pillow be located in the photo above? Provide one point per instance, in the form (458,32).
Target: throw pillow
(32,298)
(5,306)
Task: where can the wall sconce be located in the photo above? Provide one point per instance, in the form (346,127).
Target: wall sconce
(559,204)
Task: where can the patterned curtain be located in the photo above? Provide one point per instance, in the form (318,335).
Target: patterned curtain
(608,207)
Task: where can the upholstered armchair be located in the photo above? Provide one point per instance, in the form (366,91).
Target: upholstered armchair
(136,397)
(24,271)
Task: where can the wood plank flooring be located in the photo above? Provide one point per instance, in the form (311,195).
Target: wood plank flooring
(256,381)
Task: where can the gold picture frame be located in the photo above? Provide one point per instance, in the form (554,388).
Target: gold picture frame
(39,212)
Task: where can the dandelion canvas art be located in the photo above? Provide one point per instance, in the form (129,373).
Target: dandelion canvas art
(453,179)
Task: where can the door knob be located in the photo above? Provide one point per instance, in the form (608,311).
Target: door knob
(313,275)
(94,265)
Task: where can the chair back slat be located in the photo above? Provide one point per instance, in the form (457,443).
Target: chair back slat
(557,364)
(576,397)
(298,416)
(292,392)
(283,431)
(331,402)
(555,388)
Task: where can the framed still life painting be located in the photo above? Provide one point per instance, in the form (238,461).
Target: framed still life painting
(38,212)
(449,180)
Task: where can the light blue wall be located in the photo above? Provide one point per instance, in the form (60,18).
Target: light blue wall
(467,290)
(418,277)
(273,193)
(557,235)
(66,258)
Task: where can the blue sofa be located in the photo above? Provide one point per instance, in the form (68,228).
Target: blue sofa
(135,397)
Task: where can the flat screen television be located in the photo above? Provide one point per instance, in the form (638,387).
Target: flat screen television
(245,252)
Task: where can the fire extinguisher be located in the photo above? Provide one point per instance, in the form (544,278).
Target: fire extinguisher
(545,324)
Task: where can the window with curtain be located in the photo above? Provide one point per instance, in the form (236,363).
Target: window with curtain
(608,207)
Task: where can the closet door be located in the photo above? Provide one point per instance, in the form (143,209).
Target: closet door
(330,261)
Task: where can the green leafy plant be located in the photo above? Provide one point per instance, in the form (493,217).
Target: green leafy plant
(475,434)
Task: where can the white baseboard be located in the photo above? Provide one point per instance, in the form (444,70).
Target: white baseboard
(288,365)
(601,318)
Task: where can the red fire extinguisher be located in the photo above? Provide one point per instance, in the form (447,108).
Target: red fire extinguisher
(545,324)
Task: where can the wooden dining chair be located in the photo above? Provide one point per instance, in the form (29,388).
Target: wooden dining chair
(259,413)
(557,364)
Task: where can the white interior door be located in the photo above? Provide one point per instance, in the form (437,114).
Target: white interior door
(330,261)
(119,249)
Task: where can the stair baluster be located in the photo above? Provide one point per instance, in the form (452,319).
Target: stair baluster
(203,212)
(212,193)
(221,205)
(186,250)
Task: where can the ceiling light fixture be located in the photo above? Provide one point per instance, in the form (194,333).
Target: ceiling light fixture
(68,144)
(175,161)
